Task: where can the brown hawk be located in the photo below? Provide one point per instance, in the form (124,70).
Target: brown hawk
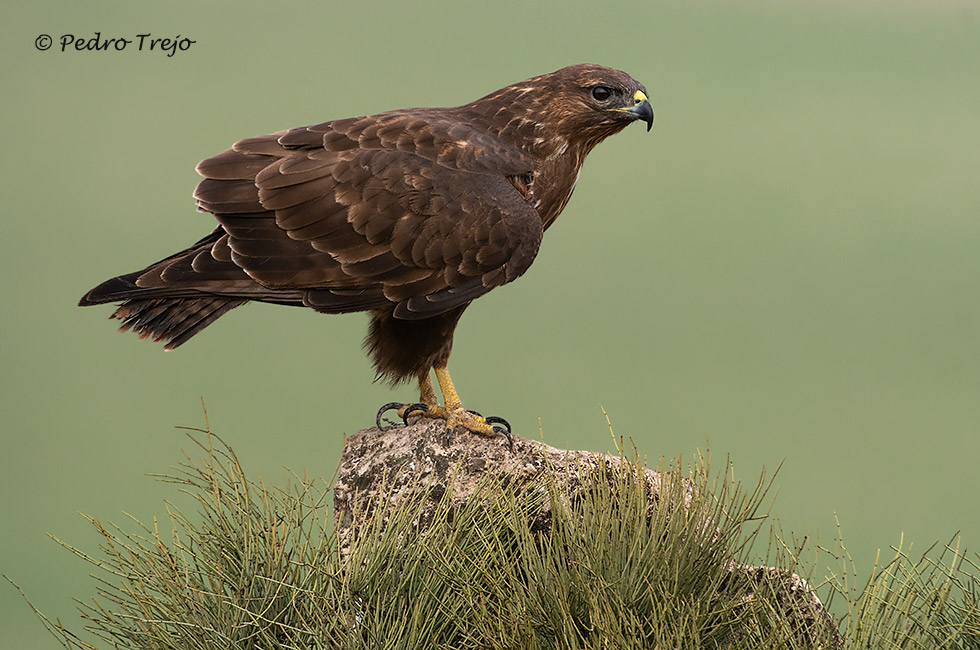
(409,214)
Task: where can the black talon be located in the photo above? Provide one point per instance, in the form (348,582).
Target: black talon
(411,409)
(492,420)
(384,409)
(476,413)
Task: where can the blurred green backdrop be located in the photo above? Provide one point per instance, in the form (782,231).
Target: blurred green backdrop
(786,268)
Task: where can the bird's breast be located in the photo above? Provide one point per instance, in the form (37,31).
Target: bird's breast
(553,185)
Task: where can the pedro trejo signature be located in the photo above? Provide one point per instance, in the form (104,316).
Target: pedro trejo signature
(98,43)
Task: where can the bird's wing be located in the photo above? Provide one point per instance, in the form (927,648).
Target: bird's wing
(403,209)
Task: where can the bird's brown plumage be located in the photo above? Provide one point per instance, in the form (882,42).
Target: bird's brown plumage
(409,214)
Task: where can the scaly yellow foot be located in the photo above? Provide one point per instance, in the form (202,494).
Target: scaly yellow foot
(427,397)
(457,417)
(453,412)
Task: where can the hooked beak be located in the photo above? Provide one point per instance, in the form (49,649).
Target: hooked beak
(641,110)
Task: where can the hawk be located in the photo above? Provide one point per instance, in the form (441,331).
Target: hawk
(409,215)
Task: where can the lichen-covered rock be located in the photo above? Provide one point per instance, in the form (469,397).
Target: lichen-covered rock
(382,467)
(380,464)
(795,600)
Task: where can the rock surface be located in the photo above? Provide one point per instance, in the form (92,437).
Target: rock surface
(381,465)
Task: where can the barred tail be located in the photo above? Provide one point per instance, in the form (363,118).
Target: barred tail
(168,318)
(173,320)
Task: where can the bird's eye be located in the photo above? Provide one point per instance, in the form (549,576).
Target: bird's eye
(601,93)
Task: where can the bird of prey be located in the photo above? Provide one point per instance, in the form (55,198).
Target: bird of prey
(409,214)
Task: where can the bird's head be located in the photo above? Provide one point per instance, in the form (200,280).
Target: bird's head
(580,105)
(596,100)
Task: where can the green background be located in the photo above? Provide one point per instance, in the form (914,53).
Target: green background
(786,267)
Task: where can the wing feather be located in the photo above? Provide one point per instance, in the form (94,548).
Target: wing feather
(408,208)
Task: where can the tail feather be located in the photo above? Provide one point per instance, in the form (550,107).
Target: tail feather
(173,312)
(112,290)
(173,320)
(124,287)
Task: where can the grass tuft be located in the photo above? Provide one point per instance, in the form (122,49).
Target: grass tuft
(252,566)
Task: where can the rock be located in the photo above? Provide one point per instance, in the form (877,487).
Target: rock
(792,596)
(379,465)
(384,465)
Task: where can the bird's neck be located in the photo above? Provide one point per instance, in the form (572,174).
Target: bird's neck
(518,116)
(554,181)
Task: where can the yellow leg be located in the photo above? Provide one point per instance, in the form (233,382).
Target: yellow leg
(451,411)
(449,395)
(427,394)
(427,397)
